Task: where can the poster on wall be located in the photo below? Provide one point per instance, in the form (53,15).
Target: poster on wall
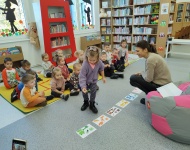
(164,8)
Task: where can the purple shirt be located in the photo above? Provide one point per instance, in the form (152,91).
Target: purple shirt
(88,75)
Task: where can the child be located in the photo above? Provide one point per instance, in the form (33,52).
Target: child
(9,74)
(25,65)
(74,80)
(79,54)
(59,53)
(116,60)
(16,92)
(58,84)
(88,76)
(28,96)
(123,53)
(47,65)
(109,68)
(107,48)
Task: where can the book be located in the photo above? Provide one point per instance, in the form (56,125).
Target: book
(104,4)
(169,89)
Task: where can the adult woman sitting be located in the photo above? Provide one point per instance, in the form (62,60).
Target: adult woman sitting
(156,70)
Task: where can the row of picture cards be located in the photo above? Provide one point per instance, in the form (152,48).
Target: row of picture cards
(100,121)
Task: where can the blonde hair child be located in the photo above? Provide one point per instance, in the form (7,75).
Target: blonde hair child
(47,65)
(79,54)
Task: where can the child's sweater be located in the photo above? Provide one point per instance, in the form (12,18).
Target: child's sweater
(74,80)
(46,66)
(57,84)
(9,76)
(64,70)
(28,95)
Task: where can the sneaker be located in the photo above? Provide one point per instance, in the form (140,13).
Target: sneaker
(85,105)
(39,79)
(65,97)
(121,75)
(93,107)
(50,97)
(74,93)
(97,88)
(14,96)
(114,76)
(142,101)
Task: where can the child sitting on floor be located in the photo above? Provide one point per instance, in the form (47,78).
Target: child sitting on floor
(25,65)
(74,80)
(116,60)
(47,66)
(79,54)
(9,74)
(29,96)
(107,49)
(109,68)
(58,84)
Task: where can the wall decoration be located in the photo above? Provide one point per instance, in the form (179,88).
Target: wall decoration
(164,8)
(163,23)
(162,34)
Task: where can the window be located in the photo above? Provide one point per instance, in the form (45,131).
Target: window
(12,20)
(85,18)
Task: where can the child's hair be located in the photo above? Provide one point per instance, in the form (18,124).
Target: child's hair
(55,70)
(31,72)
(27,77)
(44,55)
(93,51)
(76,65)
(103,53)
(106,44)
(144,44)
(25,63)
(56,52)
(76,54)
(122,41)
(7,59)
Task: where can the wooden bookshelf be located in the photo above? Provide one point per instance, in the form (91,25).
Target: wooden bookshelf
(143,19)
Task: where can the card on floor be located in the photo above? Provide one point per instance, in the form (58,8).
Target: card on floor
(113,111)
(123,103)
(100,121)
(137,91)
(85,131)
(131,96)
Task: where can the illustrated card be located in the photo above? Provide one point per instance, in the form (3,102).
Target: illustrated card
(123,103)
(86,130)
(137,91)
(113,111)
(131,96)
(100,121)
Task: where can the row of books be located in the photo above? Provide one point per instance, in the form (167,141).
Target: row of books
(169,30)
(122,21)
(143,10)
(135,2)
(119,38)
(188,7)
(105,30)
(122,12)
(59,41)
(122,30)
(121,3)
(58,28)
(105,38)
(141,20)
(143,30)
(57,15)
(106,22)
(151,40)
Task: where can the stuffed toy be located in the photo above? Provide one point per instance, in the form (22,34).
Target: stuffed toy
(102,13)
(33,35)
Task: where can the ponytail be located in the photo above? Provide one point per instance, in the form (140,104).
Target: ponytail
(144,44)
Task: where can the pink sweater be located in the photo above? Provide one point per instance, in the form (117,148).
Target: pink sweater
(57,84)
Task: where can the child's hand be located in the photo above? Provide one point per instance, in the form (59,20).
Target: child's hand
(104,80)
(84,90)
(41,93)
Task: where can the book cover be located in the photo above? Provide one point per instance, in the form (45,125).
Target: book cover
(104,4)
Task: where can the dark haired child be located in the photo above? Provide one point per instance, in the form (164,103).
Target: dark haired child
(29,96)
(47,66)
(109,68)
(58,84)
(88,76)
(9,74)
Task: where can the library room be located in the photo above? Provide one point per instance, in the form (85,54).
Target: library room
(94,74)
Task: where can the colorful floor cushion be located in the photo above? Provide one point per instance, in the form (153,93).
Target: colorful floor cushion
(171,115)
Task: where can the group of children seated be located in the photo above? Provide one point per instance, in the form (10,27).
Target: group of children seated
(62,77)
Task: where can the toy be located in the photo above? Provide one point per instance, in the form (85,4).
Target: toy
(102,13)
(33,35)
(154,19)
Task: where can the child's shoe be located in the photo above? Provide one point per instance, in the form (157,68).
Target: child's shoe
(42,104)
(97,88)
(65,97)
(39,79)
(84,106)
(50,97)
(93,107)
(74,93)
(120,75)
(114,76)
(14,96)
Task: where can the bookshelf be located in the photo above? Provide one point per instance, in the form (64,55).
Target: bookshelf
(181,17)
(55,27)
(136,20)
